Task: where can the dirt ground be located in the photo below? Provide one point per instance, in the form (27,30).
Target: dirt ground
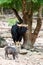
(31,58)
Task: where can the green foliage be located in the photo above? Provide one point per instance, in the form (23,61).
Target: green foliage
(2,2)
(17,4)
(35,4)
(12,21)
(5,1)
(35,1)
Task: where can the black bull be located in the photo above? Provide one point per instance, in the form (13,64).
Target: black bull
(18,32)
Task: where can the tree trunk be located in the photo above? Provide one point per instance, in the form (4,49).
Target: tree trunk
(27,18)
(29,37)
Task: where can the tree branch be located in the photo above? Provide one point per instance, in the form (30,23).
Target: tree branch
(24,11)
(36,31)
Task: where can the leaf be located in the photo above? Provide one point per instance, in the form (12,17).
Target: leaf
(35,1)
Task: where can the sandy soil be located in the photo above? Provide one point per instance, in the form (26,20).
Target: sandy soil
(31,58)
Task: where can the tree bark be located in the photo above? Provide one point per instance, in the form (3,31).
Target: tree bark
(27,18)
(29,37)
(36,31)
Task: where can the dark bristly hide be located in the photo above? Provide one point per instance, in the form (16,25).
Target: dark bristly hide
(18,32)
(12,51)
